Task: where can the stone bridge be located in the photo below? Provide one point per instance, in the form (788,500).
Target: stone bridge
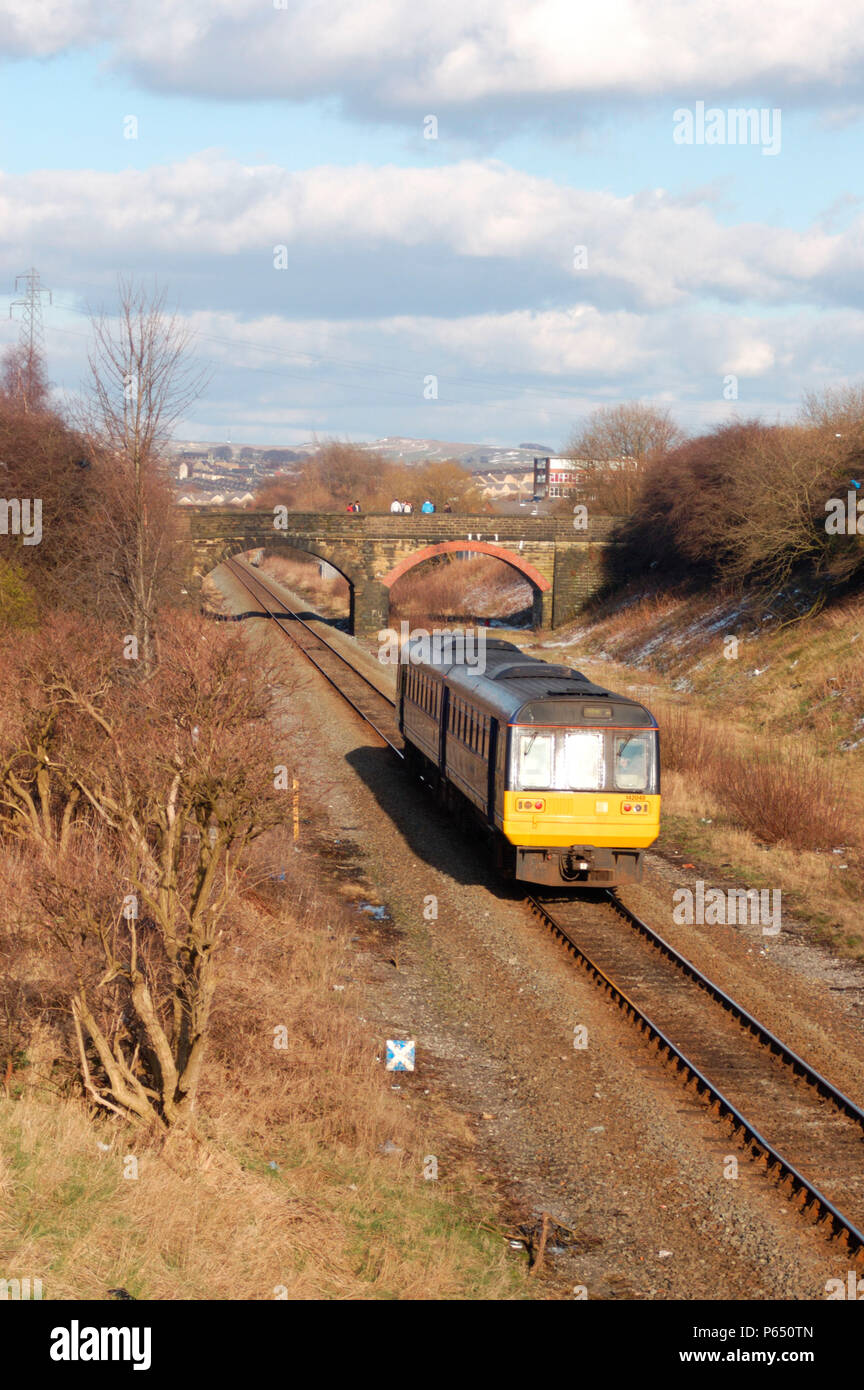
(562,565)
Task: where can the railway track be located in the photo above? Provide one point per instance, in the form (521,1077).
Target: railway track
(807,1135)
(357,690)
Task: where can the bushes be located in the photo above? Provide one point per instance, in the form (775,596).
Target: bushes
(134,804)
(481,587)
(781,792)
(688,742)
(744,504)
(784,794)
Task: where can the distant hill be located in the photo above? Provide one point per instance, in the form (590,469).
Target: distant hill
(476,457)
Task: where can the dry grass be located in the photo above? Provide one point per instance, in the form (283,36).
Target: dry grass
(283,1186)
(785,793)
(689,742)
(779,791)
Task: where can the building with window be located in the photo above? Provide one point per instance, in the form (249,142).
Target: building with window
(557,476)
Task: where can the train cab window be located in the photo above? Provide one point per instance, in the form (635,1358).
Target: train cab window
(634,762)
(581,766)
(533,758)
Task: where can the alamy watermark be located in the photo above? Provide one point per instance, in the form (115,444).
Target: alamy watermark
(735,126)
(20,1289)
(845,518)
(21,516)
(728,907)
(418,646)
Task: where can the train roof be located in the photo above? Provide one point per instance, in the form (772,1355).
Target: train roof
(524,688)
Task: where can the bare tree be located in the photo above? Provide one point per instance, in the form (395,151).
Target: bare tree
(23,379)
(141,383)
(839,410)
(618,442)
(140,803)
(633,430)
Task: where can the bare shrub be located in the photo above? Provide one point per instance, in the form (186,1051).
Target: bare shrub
(690,742)
(784,793)
(480,587)
(136,802)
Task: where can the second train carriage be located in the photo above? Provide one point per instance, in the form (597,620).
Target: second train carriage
(562,774)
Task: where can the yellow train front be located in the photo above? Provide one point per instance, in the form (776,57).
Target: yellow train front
(562,775)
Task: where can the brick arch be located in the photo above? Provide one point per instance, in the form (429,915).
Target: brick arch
(533,575)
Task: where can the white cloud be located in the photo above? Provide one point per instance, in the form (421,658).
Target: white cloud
(465,272)
(483,233)
(401,58)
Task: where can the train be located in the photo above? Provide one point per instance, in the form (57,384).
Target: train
(561,775)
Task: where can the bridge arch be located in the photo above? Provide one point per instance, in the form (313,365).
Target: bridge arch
(275,542)
(539,583)
(511,557)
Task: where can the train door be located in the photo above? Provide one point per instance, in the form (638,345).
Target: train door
(443,713)
(490,770)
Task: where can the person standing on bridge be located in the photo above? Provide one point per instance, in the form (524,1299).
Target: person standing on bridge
(428,506)
(395,506)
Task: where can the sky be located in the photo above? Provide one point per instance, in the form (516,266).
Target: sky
(472,221)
